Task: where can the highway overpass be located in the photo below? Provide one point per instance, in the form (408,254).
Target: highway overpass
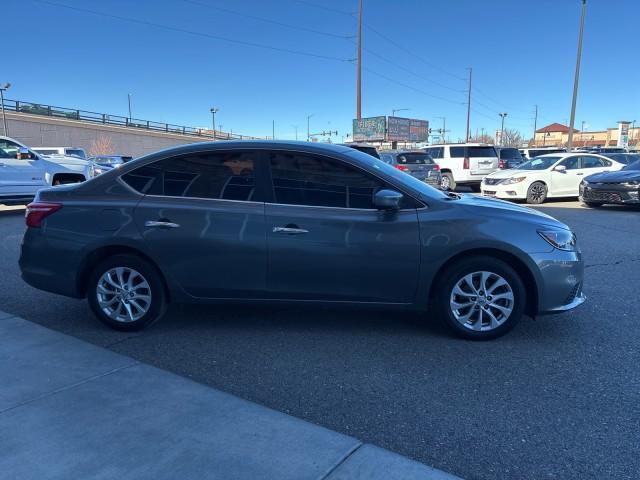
(38,125)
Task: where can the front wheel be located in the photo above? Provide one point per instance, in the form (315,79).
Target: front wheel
(480,298)
(126,293)
(537,193)
(447,182)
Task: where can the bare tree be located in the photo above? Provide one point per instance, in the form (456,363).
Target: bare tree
(101,146)
(512,138)
(484,138)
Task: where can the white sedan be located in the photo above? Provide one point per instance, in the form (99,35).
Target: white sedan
(547,176)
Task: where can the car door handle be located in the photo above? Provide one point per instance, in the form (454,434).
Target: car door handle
(160,224)
(579,174)
(290,230)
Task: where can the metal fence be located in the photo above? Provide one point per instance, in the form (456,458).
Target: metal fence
(19,106)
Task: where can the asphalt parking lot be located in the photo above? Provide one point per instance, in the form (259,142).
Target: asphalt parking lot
(556,398)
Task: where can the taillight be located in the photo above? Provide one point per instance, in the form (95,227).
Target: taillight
(36,212)
(502,164)
(403,168)
(465,164)
(436,167)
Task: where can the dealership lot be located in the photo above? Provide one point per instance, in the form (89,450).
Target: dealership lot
(556,398)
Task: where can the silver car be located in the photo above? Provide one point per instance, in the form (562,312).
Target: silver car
(259,222)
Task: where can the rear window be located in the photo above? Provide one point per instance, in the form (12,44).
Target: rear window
(625,158)
(510,154)
(473,152)
(415,158)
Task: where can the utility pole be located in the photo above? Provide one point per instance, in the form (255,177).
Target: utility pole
(213,111)
(502,115)
(273,129)
(308,134)
(4,117)
(296,128)
(359,85)
(469,106)
(129,98)
(576,80)
(535,124)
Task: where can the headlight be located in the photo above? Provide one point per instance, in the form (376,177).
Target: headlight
(632,183)
(512,180)
(560,239)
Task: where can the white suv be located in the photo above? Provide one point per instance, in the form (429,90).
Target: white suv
(464,163)
(23,172)
(68,151)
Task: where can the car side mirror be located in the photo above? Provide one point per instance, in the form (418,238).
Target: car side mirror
(387,200)
(560,168)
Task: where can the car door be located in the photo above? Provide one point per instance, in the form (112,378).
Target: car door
(19,177)
(565,183)
(202,218)
(592,164)
(326,241)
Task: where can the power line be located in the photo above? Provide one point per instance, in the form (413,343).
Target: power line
(328,9)
(192,32)
(267,20)
(378,74)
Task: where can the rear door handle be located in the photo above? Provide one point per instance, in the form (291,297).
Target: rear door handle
(160,224)
(290,230)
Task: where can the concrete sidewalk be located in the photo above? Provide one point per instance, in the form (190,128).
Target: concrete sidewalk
(69,409)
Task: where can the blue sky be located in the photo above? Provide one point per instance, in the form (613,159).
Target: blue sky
(522,53)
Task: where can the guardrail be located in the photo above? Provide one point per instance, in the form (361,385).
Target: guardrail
(30,108)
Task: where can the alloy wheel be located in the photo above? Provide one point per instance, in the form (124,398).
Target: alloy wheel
(481,301)
(123,294)
(537,192)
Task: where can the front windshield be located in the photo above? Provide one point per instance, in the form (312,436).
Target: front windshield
(633,166)
(396,174)
(538,163)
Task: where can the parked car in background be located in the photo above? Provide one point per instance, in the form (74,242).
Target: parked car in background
(547,176)
(111,161)
(621,187)
(626,158)
(509,157)
(529,153)
(23,172)
(363,147)
(606,150)
(418,164)
(259,221)
(464,163)
(65,151)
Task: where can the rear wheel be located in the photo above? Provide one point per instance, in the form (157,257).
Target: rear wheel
(480,298)
(537,193)
(447,182)
(126,293)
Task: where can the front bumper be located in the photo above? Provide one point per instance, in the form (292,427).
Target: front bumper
(515,191)
(560,283)
(609,193)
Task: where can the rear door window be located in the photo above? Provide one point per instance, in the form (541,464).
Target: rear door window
(592,162)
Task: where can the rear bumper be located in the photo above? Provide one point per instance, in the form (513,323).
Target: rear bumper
(46,268)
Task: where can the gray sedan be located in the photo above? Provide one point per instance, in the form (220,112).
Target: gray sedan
(256,222)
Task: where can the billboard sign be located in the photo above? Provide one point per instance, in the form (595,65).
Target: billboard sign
(407,130)
(369,129)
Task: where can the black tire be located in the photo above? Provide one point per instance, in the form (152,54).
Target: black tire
(537,193)
(592,204)
(455,273)
(447,182)
(156,289)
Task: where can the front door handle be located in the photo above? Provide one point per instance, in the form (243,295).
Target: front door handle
(160,224)
(579,174)
(290,230)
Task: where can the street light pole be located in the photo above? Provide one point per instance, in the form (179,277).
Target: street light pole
(359,85)
(213,111)
(469,107)
(308,131)
(503,115)
(296,128)
(394,110)
(273,129)
(4,117)
(129,98)
(576,80)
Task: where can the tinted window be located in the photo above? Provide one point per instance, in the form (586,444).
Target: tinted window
(572,163)
(228,176)
(386,158)
(456,152)
(633,166)
(510,154)
(300,179)
(473,152)
(625,158)
(592,162)
(414,158)
(435,152)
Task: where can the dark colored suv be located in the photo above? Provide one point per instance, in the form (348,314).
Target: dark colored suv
(509,157)
(418,164)
(255,222)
